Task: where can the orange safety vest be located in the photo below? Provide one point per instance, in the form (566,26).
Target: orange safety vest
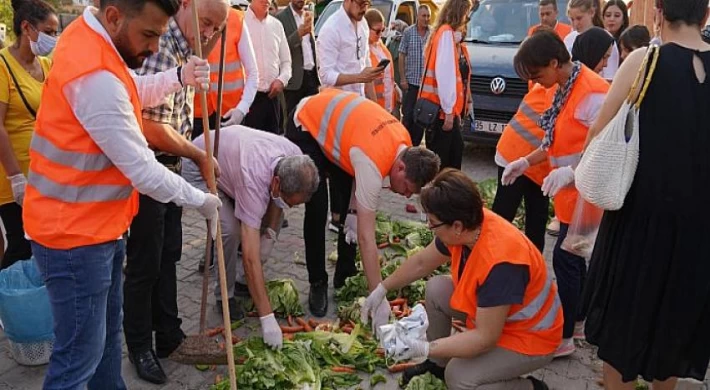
(75,196)
(523,136)
(340,120)
(233,69)
(569,136)
(532,328)
(380,81)
(429,88)
(561,29)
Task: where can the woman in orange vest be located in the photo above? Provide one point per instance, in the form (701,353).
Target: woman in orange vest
(544,59)
(446,81)
(499,287)
(387,92)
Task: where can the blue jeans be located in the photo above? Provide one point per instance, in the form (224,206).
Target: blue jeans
(84,286)
(571,274)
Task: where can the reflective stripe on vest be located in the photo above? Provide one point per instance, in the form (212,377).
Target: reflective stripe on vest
(521,130)
(228,86)
(228,66)
(81,161)
(78,194)
(570,160)
(340,125)
(548,321)
(534,307)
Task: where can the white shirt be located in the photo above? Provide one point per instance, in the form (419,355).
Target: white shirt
(337,47)
(612,65)
(308,61)
(389,83)
(445,72)
(102,105)
(247,58)
(273,57)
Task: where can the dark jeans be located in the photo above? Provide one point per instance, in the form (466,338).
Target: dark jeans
(508,200)
(571,273)
(198,128)
(264,114)
(150,290)
(316,214)
(408,102)
(84,287)
(17,247)
(448,145)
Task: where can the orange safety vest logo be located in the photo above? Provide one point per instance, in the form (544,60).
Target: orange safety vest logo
(430,88)
(75,195)
(234,73)
(340,120)
(569,137)
(523,135)
(533,327)
(379,82)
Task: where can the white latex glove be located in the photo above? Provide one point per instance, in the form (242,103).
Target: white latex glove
(210,210)
(271,331)
(381,316)
(372,302)
(18,183)
(556,180)
(514,170)
(350,229)
(416,349)
(196,73)
(233,117)
(266,246)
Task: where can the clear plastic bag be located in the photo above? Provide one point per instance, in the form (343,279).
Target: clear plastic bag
(583,229)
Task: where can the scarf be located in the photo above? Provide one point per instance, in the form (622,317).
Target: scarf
(549,117)
(591,46)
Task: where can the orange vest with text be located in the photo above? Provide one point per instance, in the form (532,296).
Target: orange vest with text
(379,82)
(233,87)
(340,120)
(562,29)
(429,89)
(523,136)
(569,136)
(532,328)
(75,196)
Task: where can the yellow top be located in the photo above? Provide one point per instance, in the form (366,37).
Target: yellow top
(19,123)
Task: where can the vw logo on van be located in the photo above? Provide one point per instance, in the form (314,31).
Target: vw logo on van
(498,85)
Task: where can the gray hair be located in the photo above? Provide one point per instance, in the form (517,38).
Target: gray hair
(298,175)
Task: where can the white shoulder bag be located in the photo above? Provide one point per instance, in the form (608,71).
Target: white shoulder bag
(608,165)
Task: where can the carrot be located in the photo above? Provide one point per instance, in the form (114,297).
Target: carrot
(380,352)
(347,370)
(252,314)
(289,320)
(396,240)
(383,245)
(351,323)
(398,302)
(235,339)
(215,331)
(400,367)
(288,336)
(291,329)
(304,324)
(347,329)
(313,323)
(397,313)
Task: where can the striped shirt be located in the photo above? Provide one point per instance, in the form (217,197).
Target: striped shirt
(412,46)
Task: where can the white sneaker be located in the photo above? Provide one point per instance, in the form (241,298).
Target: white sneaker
(553,228)
(566,348)
(579,331)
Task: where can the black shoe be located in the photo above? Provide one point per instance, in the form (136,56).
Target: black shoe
(148,367)
(236,311)
(164,348)
(318,299)
(241,290)
(284,224)
(538,384)
(421,369)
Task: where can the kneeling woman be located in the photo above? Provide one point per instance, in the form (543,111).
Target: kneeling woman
(499,286)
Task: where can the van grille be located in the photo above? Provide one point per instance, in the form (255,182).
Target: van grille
(514,87)
(493,116)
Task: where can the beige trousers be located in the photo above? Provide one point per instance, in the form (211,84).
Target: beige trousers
(499,369)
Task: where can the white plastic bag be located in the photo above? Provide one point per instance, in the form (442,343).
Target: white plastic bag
(414,326)
(583,229)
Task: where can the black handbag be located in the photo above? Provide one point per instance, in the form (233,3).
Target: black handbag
(426,112)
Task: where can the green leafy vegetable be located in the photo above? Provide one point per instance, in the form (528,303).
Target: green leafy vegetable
(283,297)
(426,382)
(338,380)
(377,378)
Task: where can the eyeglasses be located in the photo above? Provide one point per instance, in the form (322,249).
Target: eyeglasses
(358,47)
(378,32)
(438,225)
(363,4)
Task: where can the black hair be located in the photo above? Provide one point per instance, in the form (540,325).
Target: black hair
(624,12)
(553,3)
(33,11)
(134,7)
(537,51)
(690,12)
(635,36)
(420,165)
(453,196)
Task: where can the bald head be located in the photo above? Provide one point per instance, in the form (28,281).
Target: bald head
(212,15)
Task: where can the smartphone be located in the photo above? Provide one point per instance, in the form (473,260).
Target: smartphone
(383,64)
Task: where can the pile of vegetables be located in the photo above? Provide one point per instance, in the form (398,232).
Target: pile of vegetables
(283,297)
(488,188)
(425,382)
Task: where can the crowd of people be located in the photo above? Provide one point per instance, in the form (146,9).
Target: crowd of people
(102,145)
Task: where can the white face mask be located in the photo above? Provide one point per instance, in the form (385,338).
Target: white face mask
(280,203)
(44,45)
(458,36)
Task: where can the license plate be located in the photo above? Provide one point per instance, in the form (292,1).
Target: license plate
(488,127)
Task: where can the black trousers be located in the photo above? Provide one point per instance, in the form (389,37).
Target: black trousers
(571,275)
(150,287)
(17,247)
(408,102)
(309,87)
(508,200)
(448,145)
(316,214)
(264,114)
(198,128)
